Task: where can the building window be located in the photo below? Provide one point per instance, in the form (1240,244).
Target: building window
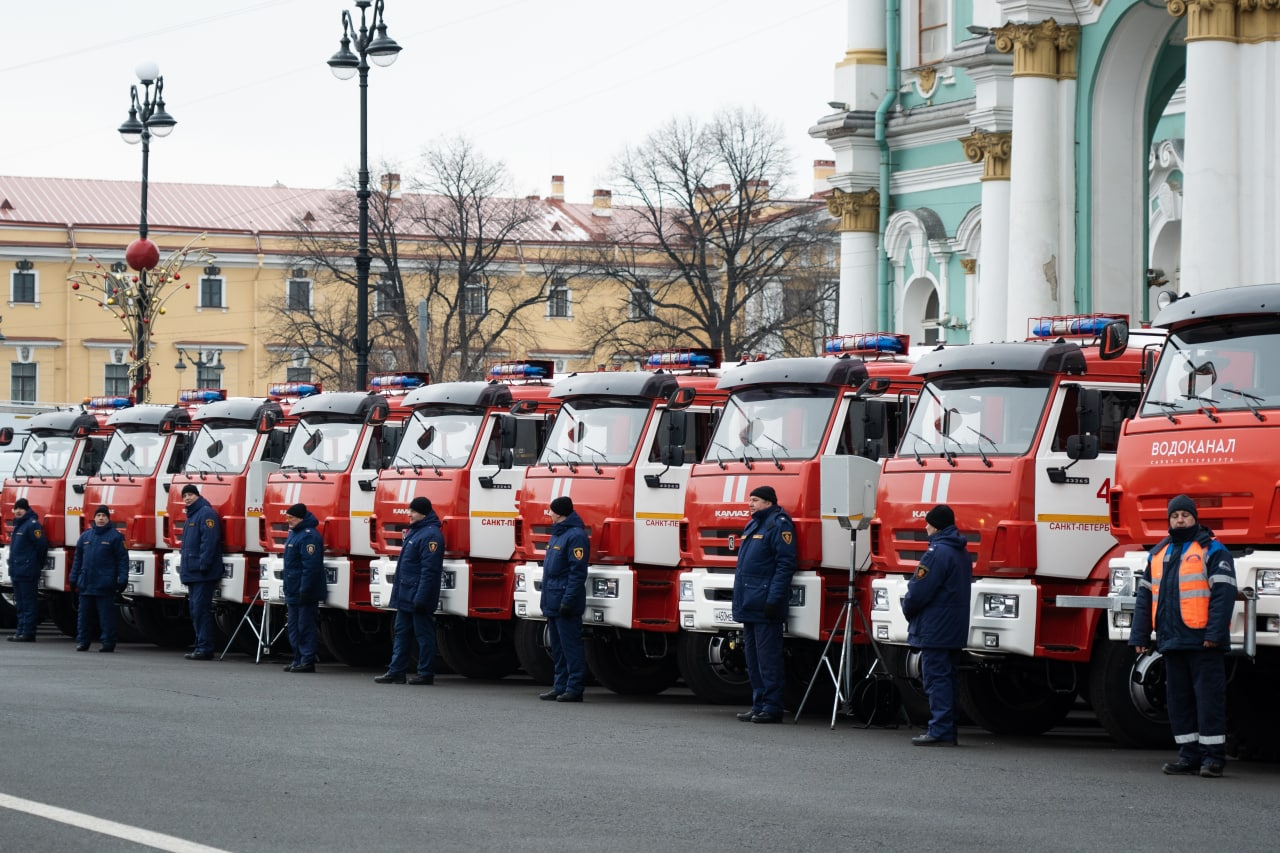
(932,27)
(558,299)
(22,287)
(474,298)
(297,374)
(22,382)
(116,380)
(929,321)
(385,298)
(211,292)
(299,297)
(640,303)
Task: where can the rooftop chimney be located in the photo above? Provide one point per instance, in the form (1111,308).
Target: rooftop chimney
(557,188)
(391,184)
(602,203)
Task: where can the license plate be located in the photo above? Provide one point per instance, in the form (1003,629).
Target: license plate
(724,615)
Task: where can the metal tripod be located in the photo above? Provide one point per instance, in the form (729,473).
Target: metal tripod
(262,630)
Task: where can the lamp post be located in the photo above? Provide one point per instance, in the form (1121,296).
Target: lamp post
(214,363)
(371,42)
(147,116)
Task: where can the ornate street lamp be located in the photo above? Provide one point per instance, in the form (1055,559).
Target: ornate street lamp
(147,117)
(371,42)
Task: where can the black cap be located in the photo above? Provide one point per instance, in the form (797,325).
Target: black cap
(940,517)
(1184,503)
(103,510)
(420,505)
(21,503)
(562,505)
(298,510)
(190,489)
(765,493)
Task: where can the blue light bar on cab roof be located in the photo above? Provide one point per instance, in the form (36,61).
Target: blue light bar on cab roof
(868,342)
(519,370)
(1079,324)
(110,402)
(387,381)
(282,390)
(202,395)
(683,358)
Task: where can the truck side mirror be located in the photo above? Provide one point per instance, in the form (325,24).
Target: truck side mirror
(1115,339)
(6,436)
(673,455)
(677,428)
(1089,412)
(506,432)
(507,458)
(1082,447)
(681,398)
(873,420)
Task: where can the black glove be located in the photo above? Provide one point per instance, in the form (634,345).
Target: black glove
(421,608)
(566,610)
(121,587)
(772,612)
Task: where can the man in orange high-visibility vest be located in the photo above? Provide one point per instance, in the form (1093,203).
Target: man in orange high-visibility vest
(1186,596)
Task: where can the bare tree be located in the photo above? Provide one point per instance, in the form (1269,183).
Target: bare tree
(708,254)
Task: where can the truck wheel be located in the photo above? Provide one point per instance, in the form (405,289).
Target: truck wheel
(714,667)
(1012,701)
(8,612)
(357,639)
(533,650)
(63,608)
(478,648)
(163,622)
(621,663)
(1127,694)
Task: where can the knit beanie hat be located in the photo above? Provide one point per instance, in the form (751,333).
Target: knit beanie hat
(940,517)
(21,503)
(1184,503)
(190,489)
(562,505)
(103,510)
(420,505)
(765,493)
(298,510)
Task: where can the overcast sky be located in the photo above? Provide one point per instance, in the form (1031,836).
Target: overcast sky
(546,86)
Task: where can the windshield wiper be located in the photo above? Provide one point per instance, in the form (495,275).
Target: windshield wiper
(594,463)
(778,445)
(950,457)
(434,466)
(1164,404)
(1249,400)
(719,458)
(1209,412)
(563,461)
(982,438)
(915,448)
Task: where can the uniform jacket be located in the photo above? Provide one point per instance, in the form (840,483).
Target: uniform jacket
(101,564)
(28,548)
(304,577)
(937,601)
(417,582)
(1172,633)
(201,544)
(766,562)
(564,569)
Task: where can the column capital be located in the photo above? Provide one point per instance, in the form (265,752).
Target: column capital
(1046,49)
(856,211)
(1208,20)
(993,150)
(969,265)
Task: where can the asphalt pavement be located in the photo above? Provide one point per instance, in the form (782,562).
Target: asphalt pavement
(229,755)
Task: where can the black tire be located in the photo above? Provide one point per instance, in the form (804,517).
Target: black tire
(1128,695)
(477,648)
(533,652)
(357,639)
(127,630)
(164,622)
(624,663)
(714,668)
(1013,700)
(63,609)
(8,612)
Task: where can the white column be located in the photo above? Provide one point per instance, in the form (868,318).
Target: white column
(1259,128)
(858,297)
(1211,244)
(990,309)
(1034,249)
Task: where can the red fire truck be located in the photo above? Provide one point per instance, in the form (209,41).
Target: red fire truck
(63,450)
(341,441)
(466,450)
(240,440)
(1204,430)
(1020,439)
(148,446)
(620,448)
(813,429)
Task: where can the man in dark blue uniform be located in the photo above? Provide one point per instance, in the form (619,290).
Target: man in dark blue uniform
(28,549)
(201,567)
(99,571)
(761,595)
(1186,595)
(304,585)
(415,595)
(937,611)
(564,599)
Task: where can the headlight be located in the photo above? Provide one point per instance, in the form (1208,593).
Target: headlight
(1122,581)
(604,587)
(521,584)
(448,580)
(374,574)
(879,599)
(263,574)
(1268,582)
(686,590)
(999,605)
(135,567)
(797,597)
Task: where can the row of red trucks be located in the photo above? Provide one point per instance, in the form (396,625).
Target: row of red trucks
(1057,466)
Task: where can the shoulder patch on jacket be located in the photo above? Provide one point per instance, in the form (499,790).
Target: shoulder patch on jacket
(577,553)
(208,522)
(787,536)
(922,571)
(431,546)
(37,533)
(311,549)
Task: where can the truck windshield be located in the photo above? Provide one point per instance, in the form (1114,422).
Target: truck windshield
(45,456)
(786,422)
(132,453)
(439,439)
(1225,366)
(322,446)
(988,414)
(596,432)
(221,450)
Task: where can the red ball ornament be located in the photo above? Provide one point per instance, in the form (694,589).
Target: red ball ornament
(75,285)
(142,254)
(177,276)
